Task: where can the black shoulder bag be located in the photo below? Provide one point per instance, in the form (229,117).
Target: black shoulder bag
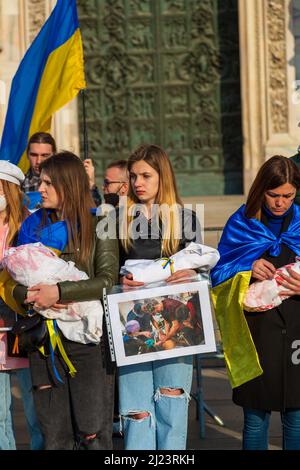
(27,335)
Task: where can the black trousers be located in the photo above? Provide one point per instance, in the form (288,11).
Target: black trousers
(82,405)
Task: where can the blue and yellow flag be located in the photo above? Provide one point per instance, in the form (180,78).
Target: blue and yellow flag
(243,241)
(49,76)
(39,228)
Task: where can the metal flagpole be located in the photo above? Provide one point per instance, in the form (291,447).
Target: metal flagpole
(84,128)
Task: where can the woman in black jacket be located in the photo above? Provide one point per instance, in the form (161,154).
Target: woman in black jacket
(260,237)
(73,411)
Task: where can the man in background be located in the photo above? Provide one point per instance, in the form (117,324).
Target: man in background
(116,182)
(41,146)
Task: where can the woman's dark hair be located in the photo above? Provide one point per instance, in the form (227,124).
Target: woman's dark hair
(70,181)
(275,172)
(42,138)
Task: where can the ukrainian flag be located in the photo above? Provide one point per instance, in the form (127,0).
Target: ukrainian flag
(243,241)
(49,76)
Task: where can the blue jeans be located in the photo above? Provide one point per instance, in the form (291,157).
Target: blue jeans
(7,439)
(256,429)
(25,384)
(139,391)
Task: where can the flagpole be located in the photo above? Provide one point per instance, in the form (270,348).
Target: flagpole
(84,128)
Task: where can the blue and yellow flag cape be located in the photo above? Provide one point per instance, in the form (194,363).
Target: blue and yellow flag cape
(36,229)
(33,200)
(243,241)
(49,76)
(33,230)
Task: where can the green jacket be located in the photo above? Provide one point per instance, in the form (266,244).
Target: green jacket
(296,159)
(103,269)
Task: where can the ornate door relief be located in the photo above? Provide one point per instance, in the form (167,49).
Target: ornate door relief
(160,71)
(270,119)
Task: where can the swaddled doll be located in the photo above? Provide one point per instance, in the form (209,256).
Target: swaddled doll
(264,295)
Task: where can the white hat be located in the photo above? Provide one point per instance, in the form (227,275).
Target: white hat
(11,172)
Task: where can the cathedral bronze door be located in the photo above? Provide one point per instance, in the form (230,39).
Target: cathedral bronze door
(166,72)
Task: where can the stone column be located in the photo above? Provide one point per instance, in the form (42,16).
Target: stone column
(11,40)
(270,111)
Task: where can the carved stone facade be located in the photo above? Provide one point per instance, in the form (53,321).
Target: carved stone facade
(167,71)
(36,15)
(270,110)
(277,65)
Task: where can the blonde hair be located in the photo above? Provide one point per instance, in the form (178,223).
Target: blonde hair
(15,210)
(167,195)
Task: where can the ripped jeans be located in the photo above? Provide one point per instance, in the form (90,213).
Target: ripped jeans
(82,405)
(139,391)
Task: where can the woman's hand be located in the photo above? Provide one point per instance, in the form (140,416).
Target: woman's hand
(182,274)
(90,171)
(291,284)
(128,281)
(263,270)
(42,296)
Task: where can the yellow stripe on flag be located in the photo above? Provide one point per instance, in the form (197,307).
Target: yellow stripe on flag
(62,79)
(240,354)
(7,285)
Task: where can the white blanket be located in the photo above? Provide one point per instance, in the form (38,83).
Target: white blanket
(264,295)
(35,263)
(194,256)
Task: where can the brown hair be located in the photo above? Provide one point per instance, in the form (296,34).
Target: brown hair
(275,172)
(167,194)
(15,209)
(42,138)
(122,164)
(70,181)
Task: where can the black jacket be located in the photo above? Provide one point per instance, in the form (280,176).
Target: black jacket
(275,333)
(147,247)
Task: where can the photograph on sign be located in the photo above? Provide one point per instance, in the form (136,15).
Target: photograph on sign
(161,322)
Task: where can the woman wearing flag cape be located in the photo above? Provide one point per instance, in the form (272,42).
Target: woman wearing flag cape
(260,348)
(75,406)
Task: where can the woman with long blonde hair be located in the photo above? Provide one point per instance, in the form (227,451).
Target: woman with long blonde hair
(154,395)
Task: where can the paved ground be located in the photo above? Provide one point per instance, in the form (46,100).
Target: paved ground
(217,395)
